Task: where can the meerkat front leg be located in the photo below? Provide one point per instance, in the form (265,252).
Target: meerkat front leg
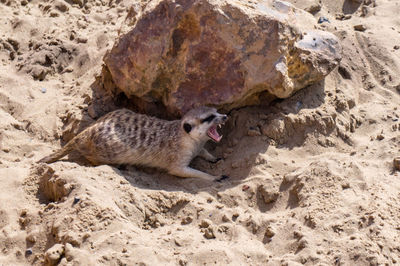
(208,156)
(190,172)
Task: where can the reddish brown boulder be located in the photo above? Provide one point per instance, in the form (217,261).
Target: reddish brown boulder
(223,53)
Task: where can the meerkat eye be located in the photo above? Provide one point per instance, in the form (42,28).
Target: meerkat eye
(187,127)
(208,119)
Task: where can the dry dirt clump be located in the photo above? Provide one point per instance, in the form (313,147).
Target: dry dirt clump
(314,178)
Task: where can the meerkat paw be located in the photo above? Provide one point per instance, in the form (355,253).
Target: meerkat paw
(208,156)
(215,160)
(223,177)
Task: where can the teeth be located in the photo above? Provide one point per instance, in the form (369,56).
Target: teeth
(219,126)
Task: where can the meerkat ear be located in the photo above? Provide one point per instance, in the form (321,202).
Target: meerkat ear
(187,127)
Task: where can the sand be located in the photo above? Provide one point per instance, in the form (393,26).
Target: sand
(312,177)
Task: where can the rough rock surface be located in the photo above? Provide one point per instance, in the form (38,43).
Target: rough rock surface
(221,53)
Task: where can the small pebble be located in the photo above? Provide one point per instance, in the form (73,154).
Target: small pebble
(44,90)
(186,220)
(81,40)
(225,218)
(269,232)
(313,8)
(360,27)
(339,16)
(76,200)
(205,223)
(178,242)
(28,251)
(323,19)
(31,238)
(209,233)
(346,185)
(396,163)
(54,14)
(245,187)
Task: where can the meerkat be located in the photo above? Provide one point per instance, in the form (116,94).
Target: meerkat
(126,137)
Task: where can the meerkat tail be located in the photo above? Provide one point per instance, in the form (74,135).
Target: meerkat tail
(58,154)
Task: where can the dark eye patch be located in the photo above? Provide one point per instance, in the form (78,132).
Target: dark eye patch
(187,127)
(208,119)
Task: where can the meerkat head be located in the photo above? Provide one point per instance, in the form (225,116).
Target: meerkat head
(201,123)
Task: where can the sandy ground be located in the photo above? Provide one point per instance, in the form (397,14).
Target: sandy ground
(312,177)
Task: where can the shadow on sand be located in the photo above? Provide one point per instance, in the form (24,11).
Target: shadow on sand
(237,147)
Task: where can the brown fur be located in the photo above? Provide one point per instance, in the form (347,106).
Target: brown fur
(125,137)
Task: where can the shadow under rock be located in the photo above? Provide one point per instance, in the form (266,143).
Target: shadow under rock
(310,97)
(103,101)
(239,149)
(246,147)
(156,179)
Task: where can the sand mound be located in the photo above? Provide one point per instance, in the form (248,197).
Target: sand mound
(312,176)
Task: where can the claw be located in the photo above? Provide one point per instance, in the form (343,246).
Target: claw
(216,160)
(223,177)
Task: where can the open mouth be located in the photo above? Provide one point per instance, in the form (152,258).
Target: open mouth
(213,133)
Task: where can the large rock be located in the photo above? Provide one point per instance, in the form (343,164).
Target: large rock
(222,53)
